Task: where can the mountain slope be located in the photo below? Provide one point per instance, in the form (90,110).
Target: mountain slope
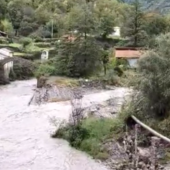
(162,6)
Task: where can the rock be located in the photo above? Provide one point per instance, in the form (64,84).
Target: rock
(41,81)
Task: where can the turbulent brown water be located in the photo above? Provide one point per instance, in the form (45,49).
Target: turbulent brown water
(25,142)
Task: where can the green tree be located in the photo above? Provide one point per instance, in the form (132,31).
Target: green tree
(105,59)
(15,9)
(81,18)
(83,53)
(79,58)
(3,9)
(86,58)
(156,24)
(133,26)
(153,85)
(107,15)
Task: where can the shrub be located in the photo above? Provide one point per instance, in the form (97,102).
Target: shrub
(36,37)
(3,41)
(25,41)
(153,79)
(7,26)
(45,69)
(26,30)
(91,133)
(21,71)
(151,99)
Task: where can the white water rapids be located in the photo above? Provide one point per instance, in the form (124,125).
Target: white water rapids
(25,142)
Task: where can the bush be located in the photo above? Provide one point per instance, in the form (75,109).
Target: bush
(3,41)
(25,41)
(26,30)
(45,69)
(46,34)
(151,99)
(91,133)
(7,26)
(36,37)
(21,71)
(153,79)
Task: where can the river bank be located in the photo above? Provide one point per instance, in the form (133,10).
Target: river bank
(25,141)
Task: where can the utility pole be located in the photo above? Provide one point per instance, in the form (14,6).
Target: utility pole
(52,30)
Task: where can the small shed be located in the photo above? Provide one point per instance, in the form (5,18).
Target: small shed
(44,55)
(5,53)
(130,54)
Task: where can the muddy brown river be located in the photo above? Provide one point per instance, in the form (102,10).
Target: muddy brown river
(25,142)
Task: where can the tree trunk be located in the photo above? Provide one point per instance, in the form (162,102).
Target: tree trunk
(105,69)
(16,32)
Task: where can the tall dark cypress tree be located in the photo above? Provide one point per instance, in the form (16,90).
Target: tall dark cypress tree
(133,27)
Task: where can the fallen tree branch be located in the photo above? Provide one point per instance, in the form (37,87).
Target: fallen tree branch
(150,129)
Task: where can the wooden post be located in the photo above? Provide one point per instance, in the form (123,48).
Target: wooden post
(154,147)
(136,156)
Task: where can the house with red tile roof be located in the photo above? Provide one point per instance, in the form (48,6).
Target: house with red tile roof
(130,54)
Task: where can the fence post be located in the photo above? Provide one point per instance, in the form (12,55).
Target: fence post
(154,148)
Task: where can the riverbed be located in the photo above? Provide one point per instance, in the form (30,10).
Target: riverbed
(25,142)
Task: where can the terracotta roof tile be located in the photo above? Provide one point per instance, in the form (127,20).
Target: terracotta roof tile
(127,53)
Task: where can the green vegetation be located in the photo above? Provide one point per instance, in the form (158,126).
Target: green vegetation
(79,37)
(91,134)
(45,69)
(151,103)
(78,33)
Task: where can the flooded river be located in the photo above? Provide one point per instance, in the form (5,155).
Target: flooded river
(25,142)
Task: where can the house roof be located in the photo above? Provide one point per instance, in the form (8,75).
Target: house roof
(127,53)
(69,38)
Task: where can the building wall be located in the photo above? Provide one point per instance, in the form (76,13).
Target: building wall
(45,55)
(7,66)
(132,62)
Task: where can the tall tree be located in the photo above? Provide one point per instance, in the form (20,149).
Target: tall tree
(107,14)
(83,53)
(15,9)
(133,26)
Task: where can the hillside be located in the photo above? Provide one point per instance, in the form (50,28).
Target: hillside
(162,6)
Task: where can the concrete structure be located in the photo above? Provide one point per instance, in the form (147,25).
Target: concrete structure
(116,32)
(5,53)
(44,55)
(128,53)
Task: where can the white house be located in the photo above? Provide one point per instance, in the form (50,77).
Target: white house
(5,53)
(116,32)
(44,55)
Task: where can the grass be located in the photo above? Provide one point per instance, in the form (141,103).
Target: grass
(63,81)
(92,134)
(42,44)
(12,45)
(16,45)
(34,48)
(20,54)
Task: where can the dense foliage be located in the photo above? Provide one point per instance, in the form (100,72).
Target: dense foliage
(79,32)
(90,135)
(151,100)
